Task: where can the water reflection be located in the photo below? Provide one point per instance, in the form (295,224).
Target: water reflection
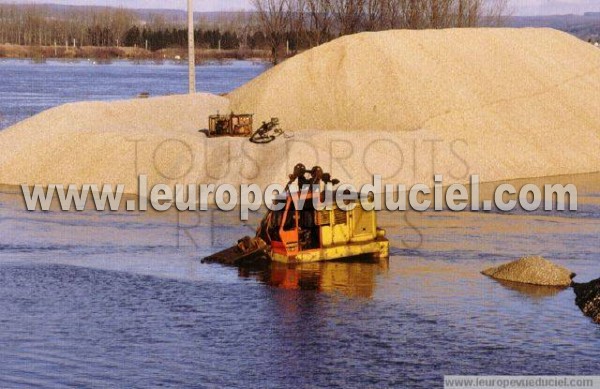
(533,291)
(356,278)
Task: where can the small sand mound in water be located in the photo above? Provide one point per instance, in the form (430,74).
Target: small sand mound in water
(532,270)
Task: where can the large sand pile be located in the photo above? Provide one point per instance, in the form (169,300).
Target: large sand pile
(499,103)
(514,102)
(98,142)
(532,270)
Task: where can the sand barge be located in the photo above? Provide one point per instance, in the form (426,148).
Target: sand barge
(501,103)
(532,270)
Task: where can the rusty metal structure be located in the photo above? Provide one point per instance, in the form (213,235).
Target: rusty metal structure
(230,125)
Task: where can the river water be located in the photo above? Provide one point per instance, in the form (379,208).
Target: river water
(121,299)
(28,88)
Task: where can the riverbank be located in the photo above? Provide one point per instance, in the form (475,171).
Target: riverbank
(136,53)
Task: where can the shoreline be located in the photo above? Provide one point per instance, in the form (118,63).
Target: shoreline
(42,53)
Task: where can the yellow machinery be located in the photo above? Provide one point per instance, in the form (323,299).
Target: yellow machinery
(305,235)
(309,235)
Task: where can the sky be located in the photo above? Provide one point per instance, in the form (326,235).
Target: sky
(520,7)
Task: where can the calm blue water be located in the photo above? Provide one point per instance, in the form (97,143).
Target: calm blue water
(27,88)
(120,299)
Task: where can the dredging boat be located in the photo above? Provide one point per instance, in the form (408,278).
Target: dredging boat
(303,234)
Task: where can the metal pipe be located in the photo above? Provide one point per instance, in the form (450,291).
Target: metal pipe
(191,48)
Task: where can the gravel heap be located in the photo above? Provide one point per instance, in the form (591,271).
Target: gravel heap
(532,270)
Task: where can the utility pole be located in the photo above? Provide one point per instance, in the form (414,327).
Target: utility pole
(191,47)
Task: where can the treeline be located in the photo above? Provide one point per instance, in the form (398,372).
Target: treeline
(313,22)
(280,26)
(32,25)
(209,39)
(111,27)
(157,39)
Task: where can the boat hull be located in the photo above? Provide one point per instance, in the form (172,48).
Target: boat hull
(378,248)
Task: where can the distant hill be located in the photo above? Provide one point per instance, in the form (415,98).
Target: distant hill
(583,26)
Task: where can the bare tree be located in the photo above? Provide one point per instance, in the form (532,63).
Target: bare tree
(373,15)
(439,13)
(348,15)
(419,14)
(297,25)
(412,14)
(498,12)
(121,20)
(473,13)
(320,12)
(274,16)
(474,8)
